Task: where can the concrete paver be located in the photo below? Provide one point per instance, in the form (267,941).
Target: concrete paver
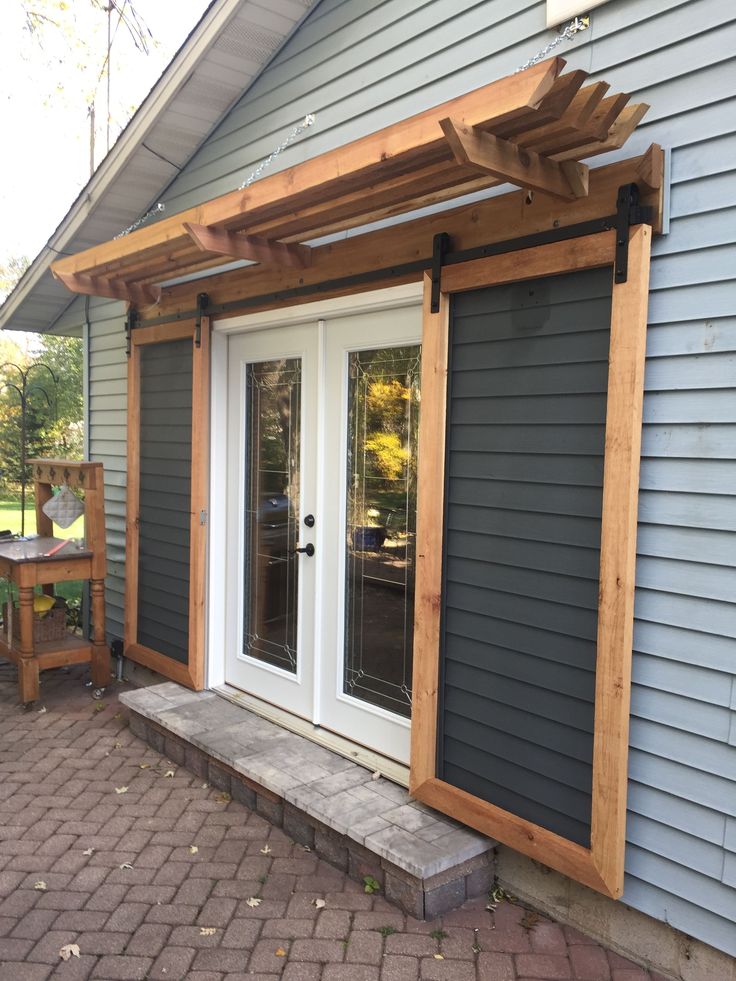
(153,873)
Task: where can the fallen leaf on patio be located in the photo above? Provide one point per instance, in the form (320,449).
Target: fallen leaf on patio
(376,775)
(193,849)
(280,952)
(69,950)
(117,716)
(88,851)
(40,885)
(126,866)
(99,707)
(223,798)
(121,790)
(439,957)
(319,903)
(265,850)
(144,766)
(169,773)
(118,746)
(207,931)
(529,920)
(253,902)
(306,848)
(42,710)
(205,786)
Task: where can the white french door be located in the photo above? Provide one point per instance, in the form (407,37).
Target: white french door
(321,455)
(271,489)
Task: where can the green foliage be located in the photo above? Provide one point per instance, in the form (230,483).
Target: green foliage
(438,935)
(386,931)
(370,885)
(11,269)
(54,402)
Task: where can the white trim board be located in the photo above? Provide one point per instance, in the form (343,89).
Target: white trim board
(321,310)
(559,12)
(409,294)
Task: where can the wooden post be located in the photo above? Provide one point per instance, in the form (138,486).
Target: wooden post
(27,664)
(100,659)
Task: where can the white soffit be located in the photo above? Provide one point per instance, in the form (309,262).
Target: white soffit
(220,59)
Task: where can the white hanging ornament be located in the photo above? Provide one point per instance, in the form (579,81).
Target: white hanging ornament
(64,508)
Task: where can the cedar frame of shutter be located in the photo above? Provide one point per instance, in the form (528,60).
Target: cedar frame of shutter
(192,673)
(602,865)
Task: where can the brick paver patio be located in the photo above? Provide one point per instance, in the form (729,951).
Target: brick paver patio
(106,845)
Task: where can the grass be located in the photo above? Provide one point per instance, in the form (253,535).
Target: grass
(10,520)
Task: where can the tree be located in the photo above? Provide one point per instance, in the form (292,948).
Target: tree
(82,34)
(11,269)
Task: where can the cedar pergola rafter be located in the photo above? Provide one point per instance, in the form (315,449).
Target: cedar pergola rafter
(531,130)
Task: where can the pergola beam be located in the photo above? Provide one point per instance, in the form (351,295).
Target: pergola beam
(493,219)
(388,152)
(138,294)
(507,161)
(252,247)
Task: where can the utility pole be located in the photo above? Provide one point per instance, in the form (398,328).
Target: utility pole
(91,114)
(110,8)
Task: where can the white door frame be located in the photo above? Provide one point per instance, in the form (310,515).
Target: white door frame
(340,307)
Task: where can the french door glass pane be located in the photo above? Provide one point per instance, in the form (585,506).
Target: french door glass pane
(271,581)
(383,417)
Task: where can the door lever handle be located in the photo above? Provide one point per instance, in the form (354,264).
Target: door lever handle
(308,549)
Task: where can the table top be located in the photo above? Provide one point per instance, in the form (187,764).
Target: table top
(36,550)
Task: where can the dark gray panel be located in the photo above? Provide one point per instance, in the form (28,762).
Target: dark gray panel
(165,497)
(525,435)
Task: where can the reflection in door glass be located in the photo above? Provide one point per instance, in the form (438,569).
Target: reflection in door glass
(383,417)
(271,581)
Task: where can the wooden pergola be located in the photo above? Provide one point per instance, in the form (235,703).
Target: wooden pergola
(530,129)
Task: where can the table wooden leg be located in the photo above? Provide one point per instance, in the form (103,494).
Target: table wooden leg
(27,663)
(100,650)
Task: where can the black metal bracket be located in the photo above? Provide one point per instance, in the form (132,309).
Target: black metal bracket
(628,212)
(131,322)
(203,301)
(440,248)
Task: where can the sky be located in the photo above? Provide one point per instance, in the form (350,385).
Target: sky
(46,84)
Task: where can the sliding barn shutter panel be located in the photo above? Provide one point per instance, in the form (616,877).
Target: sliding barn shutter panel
(168,474)
(526,551)
(528,365)
(164,497)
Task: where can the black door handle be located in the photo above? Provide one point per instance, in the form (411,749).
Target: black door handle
(308,550)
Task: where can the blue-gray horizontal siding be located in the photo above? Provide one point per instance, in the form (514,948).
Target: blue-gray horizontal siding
(361,64)
(525,434)
(164,500)
(106,408)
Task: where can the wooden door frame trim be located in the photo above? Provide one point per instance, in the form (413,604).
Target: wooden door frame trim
(602,865)
(191,674)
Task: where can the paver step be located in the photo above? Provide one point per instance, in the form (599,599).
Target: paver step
(424,861)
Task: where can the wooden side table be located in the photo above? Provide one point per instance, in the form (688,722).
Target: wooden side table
(28,564)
